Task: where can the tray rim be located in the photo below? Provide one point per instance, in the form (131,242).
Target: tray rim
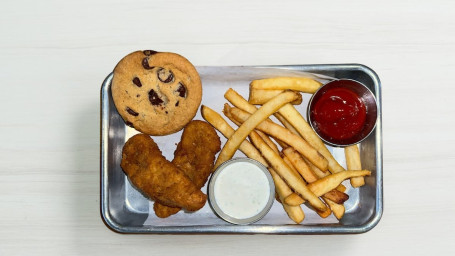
(256,229)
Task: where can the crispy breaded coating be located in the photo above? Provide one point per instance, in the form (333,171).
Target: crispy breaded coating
(156,177)
(195,156)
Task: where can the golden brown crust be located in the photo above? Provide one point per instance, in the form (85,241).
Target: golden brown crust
(195,156)
(163,211)
(157,93)
(158,178)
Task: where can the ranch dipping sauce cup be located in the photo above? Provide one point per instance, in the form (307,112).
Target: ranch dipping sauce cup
(241,191)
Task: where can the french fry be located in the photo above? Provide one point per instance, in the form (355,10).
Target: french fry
(324,185)
(227,113)
(294,200)
(322,174)
(337,209)
(325,213)
(300,165)
(286,123)
(336,196)
(286,173)
(295,118)
(352,155)
(294,212)
(260,115)
(221,125)
(235,99)
(259,97)
(315,169)
(286,136)
(302,84)
(289,164)
(268,141)
(297,121)
(282,189)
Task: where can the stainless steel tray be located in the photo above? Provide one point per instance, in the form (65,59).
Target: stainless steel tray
(124,210)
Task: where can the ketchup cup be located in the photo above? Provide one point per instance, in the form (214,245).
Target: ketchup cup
(342,112)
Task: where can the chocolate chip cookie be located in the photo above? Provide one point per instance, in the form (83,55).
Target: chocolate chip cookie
(157,93)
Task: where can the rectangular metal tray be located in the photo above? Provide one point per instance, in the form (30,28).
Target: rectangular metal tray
(124,210)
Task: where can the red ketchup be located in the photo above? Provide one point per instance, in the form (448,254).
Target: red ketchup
(339,114)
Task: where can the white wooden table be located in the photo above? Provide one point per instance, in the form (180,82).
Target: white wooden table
(55,54)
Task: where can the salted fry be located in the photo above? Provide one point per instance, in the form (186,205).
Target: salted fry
(336,196)
(324,185)
(296,119)
(259,97)
(337,209)
(341,188)
(294,200)
(325,213)
(302,84)
(300,165)
(352,155)
(260,115)
(268,141)
(286,123)
(283,191)
(227,113)
(289,164)
(286,136)
(237,100)
(322,174)
(315,169)
(221,125)
(286,173)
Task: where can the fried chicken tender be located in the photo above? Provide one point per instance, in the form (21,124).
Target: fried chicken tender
(195,156)
(156,177)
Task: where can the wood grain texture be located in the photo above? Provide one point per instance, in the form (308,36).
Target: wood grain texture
(55,54)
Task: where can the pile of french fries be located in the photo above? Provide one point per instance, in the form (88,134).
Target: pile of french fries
(304,171)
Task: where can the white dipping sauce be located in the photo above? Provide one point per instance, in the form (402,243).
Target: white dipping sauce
(241,190)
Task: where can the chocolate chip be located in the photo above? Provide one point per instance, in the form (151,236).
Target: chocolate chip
(137,95)
(129,124)
(145,63)
(154,98)
(181,90)
(149,52)
(137,82)
(165,75)
(131,112)
(177,104)
(165,112)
